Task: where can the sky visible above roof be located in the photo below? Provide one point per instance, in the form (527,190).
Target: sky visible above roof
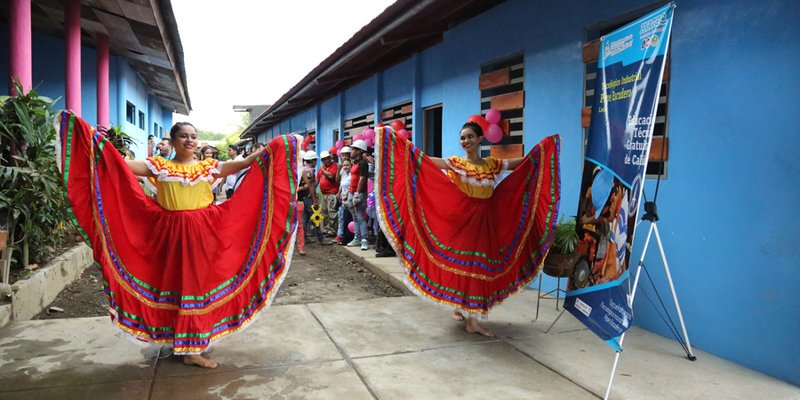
(254,51)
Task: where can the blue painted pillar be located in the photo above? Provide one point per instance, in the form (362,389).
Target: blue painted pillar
(103,105)
(416,99)
(122,84)
(321,142)
(378,105)
(341,114)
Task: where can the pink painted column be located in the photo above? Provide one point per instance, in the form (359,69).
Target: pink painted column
(72,38)
(102,82)
(20,65)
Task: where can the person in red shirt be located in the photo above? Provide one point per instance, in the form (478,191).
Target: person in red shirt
(328,187)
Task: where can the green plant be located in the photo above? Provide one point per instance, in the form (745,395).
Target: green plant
(121,140)
(31,202)
(566,237)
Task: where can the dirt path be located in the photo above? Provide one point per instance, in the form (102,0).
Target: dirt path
(324,274)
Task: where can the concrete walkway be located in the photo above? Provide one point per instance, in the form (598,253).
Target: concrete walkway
(388,348)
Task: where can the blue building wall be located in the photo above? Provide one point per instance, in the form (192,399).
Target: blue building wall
(727,225)
(330,119)
(360,99)
(726,206)
(398,81)
(135,92)
(305,121)
(48,70)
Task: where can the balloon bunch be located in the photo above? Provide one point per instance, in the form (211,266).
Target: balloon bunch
(337,147)
(367,135)
(489,124)
(400,130)
(307,141)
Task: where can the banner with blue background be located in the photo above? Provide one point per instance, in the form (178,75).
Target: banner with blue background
(629,72)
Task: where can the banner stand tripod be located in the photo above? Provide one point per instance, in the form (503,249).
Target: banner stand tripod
(651,216)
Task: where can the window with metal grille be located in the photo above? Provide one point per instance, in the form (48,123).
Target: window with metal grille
(141,120)
(354,126)
(130,112)
(502,86)
(403,111)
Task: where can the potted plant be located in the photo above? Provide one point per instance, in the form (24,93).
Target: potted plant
(562,255)
(121,140)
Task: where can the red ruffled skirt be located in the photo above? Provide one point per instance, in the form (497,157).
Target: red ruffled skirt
(459,251)
(181,278)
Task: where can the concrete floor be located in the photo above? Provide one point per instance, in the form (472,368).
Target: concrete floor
(387,348)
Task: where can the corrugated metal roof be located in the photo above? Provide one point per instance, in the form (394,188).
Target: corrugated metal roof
(404,28)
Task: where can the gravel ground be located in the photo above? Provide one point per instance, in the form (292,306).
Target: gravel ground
(324,274)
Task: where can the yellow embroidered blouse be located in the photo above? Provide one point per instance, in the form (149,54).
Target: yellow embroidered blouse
(181,186)
(475,180)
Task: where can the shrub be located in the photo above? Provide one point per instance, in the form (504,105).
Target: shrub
(31,199)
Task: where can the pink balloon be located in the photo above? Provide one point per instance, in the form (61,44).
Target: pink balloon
(339,144)
(370,186)
(351,227)
(370,142)
(493,116)
(403,134)
(358,137)
(368,134)
(494,133)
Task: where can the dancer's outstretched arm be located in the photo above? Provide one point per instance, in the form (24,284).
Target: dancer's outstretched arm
(439,162)
(139,168)
(232,167)
(514,162)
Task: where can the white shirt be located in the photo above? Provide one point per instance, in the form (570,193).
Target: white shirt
(230,180)
(344,183)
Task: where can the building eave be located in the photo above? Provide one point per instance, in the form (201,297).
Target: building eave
(143,33)
(404,28)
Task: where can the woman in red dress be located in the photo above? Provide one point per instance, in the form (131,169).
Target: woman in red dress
(181,271)
(464,240)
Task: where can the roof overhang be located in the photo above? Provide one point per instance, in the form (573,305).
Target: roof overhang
(142,31)
(404,28)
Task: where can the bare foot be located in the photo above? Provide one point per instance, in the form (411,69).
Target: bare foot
(458,316)
(200,361)
(474,327)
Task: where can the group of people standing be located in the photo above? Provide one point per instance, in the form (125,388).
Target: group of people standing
(339,191)
(183,272)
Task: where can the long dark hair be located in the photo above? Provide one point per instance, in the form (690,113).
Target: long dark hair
(203,151)
(177,127)
(475,128)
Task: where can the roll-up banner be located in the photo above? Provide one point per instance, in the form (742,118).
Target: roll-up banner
(629,72)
